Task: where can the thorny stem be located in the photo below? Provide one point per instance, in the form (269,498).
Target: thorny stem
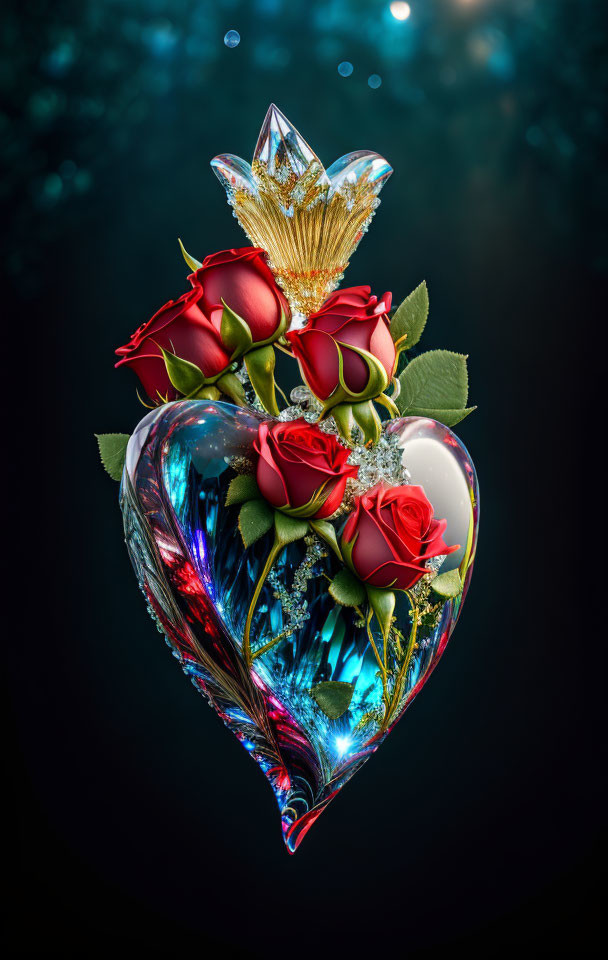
(276,548)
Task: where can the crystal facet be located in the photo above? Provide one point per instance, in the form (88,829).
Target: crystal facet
(310,711)
(309,220)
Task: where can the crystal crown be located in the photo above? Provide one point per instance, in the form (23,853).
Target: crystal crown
(308,219)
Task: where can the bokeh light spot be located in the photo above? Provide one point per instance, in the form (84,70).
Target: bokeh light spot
(399,10)
(232,39)
(345,68)
(374,81)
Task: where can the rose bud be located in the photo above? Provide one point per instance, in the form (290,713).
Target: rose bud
(243,280)
(353,327)
(180,328)
(390,535)
(301,470)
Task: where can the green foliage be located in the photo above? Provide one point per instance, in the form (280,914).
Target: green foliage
(255,519)
(242,488)
(186,377)
(333,697)
(447,584)
(260,365)
(324,529)
(435,385)
(289,529)
(347,590)
(343,415)
(113,450)
(229,384)
(382,603)
(369,421)
(234,332)
(409,319)
(191,261)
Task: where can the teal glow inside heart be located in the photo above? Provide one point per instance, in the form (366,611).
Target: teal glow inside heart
(311,709)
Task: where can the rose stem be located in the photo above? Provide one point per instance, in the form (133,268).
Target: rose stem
(405,663)
(380,663)
(276,548)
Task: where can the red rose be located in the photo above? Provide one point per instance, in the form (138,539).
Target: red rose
(300,469)
(391,534)
(244,281)
(349,318)
(180,327)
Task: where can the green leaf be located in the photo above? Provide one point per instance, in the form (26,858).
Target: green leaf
(113,450)
(255,519)
(449,417)
(343,415)
(433,384)
(325,530)
(289,529)
(234,332)
(382,603)
(242,488)
(260,367)
(333,697)
(410,317)
(191,261)
(230,384)
(208,392)
(186,377)
(447,584)
(369,421)
(347,590)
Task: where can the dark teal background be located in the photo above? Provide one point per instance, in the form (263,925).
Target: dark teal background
(138,819)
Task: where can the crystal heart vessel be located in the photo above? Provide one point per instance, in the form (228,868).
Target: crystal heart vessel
(317,702)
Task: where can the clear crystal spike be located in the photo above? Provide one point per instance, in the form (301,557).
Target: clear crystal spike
(281,149)
(309,220)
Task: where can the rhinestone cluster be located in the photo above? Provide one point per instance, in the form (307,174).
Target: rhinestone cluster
(293,602)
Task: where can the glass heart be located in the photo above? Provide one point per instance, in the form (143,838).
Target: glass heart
(314,706)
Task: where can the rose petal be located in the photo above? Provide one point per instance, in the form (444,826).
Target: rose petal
(317,355)
(401,576)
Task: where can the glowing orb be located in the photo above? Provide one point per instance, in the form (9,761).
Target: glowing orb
(399,10)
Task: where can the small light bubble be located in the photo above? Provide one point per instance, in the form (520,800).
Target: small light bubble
(232,39)
(345,68)
(374,81)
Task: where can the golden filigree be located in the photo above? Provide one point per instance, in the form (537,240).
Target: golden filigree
(308,219)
